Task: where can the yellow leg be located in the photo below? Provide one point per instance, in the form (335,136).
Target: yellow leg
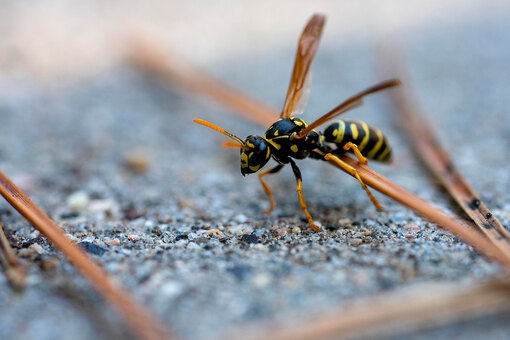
(357,153)
(302,203)
(353,172)
(267,190)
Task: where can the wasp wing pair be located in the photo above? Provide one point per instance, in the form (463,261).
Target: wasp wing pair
(299,86)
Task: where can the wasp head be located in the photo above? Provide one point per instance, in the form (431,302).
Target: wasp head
(255,154)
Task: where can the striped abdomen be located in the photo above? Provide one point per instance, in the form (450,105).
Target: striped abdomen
(370,141)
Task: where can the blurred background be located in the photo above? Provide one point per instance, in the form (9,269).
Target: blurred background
(110,152)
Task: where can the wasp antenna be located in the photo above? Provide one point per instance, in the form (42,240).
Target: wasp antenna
(228,144)
(220,130)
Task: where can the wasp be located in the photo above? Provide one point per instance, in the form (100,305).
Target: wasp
(291,138)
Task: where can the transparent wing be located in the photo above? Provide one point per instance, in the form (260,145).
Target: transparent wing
(349,104)
(307,47)
(303,97)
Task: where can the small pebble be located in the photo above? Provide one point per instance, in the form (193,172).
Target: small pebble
(193,246)
(366,232)
(181,237)
(332,226)
(133,213)
(412,227)
(68,216)
(92,248)
(260,247)
(78,201)
(171,289)
(282,231)
(107,206)
(49,264)
(137,161)
(355,242)
(249,239)
(184,203)
(296,230)
(133,237)
(34,234)
(201,240)
(241,218)
(215,233)
(241,229)
(344,221)
(261,280)
(114,242)
(32,251)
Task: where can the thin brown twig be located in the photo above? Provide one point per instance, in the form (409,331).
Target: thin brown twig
(137,317)
(13,272)
(389,314)
(439,163)
(152,60)
(171,68)
(427,211)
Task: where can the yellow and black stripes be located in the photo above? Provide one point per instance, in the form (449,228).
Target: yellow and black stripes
(370,141)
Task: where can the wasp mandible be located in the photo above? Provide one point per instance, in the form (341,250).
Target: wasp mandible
(292,138)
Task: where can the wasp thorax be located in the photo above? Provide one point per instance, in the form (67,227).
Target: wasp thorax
(256,156)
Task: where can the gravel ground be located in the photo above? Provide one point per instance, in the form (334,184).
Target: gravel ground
(117,163)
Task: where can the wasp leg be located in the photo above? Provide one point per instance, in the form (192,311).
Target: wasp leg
(267,190)
(357,153)
(353,172)
(302,203)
